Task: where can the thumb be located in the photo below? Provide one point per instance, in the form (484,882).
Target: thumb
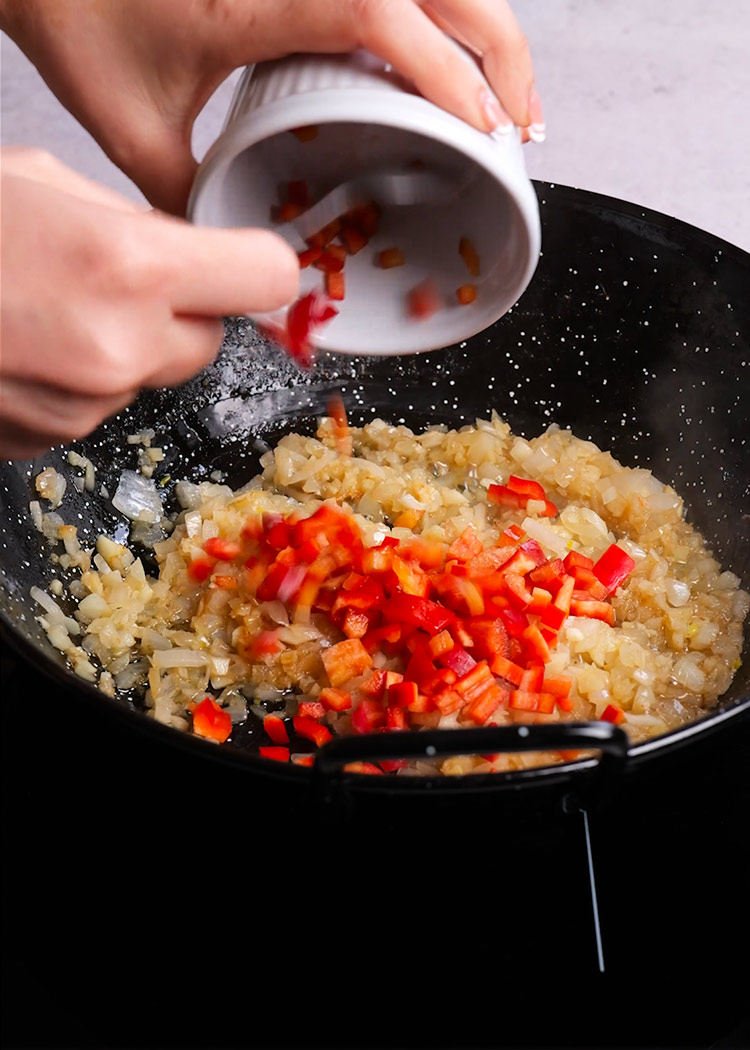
(218,273)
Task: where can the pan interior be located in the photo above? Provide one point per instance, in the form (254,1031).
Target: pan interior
(635,333)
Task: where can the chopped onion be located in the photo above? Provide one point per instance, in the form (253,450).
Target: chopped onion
(677,593)
(179,658)
(51,486)
(545,535)
(137,497)
(686,672)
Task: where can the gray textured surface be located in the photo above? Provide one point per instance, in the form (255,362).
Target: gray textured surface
(646,101)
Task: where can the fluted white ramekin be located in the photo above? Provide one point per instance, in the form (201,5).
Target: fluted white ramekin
(369,118)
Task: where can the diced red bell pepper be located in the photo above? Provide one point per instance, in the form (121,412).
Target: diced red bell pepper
(481,708)
(365,218)
(470,256)
(587,584)
(265,644)
(439,644)
(222,550)
(514,620)
(402,694)
(363,767)
(200,569)
(303,760)
(613,568)
(551,575)
(335,285)
(558,685)
(277,754)
(522,562)
(390,765)
(540,599)
(286,212)
(473,684)
(490,637)
(523,700)
(508,670)
(511,536)
(354,240)
(389,258)
(335,699)
(448,700)
(311,729)
(374,686)
(535,645)
(308,256)
(468,545)
(613,713)
(325,235)
(574,560)
(532,678)
(466,294)
(383,637)
(368,716)
(419,612)
(502,496)
(356,624)
(518,590)
(526,487)
(346,660)
(409,577)
(331,259)
(424,300)
(225,583)
(489,561)
(275,728)
(311,709)
(211,721)
(396,719)
(458,661)
(303,317)
(594,610)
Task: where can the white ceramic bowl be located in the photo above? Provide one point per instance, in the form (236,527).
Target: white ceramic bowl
(368,118)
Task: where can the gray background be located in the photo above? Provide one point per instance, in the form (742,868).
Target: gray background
(644,99)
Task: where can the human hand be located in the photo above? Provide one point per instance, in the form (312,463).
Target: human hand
(139,92)
(101,298)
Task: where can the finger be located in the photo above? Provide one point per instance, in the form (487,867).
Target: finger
(190,345)
(162,165)
(399,32)
(490,28)
(217,273)
(44,167)
(53,414)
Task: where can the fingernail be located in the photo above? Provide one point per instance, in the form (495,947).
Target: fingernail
(494,113)
(537,127)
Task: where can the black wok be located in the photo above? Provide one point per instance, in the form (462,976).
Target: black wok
(635,332)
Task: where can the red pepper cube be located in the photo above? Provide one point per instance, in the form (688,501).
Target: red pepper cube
(574,560)
(508,670)
(335,699)
(470,255)
(518,590)
(222,550)
(309,256)
(402,694)
(532,678)
(211,721)
(423,301)
(287,212)
(305,134)
(353,239)
(439,644)
(485,705)
(356,623)
(200,569)
(331,259)
(368,717)
(613,568)
(277,754)
(325,235)
(490,637)
(363,767)
(473,684)
(346,660)
(389,258)
(466,294)
(447,701)
(535,644)
(613,713)
(311,729)
(365,218)
(546,703)
(396,719)
(523,700)
(526,487)
(310,709)
(335,285)
(275,728)
(594,610)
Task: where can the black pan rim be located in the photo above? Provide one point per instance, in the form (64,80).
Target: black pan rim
(247,761)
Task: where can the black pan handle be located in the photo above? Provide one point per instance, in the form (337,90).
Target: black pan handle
(608,739)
